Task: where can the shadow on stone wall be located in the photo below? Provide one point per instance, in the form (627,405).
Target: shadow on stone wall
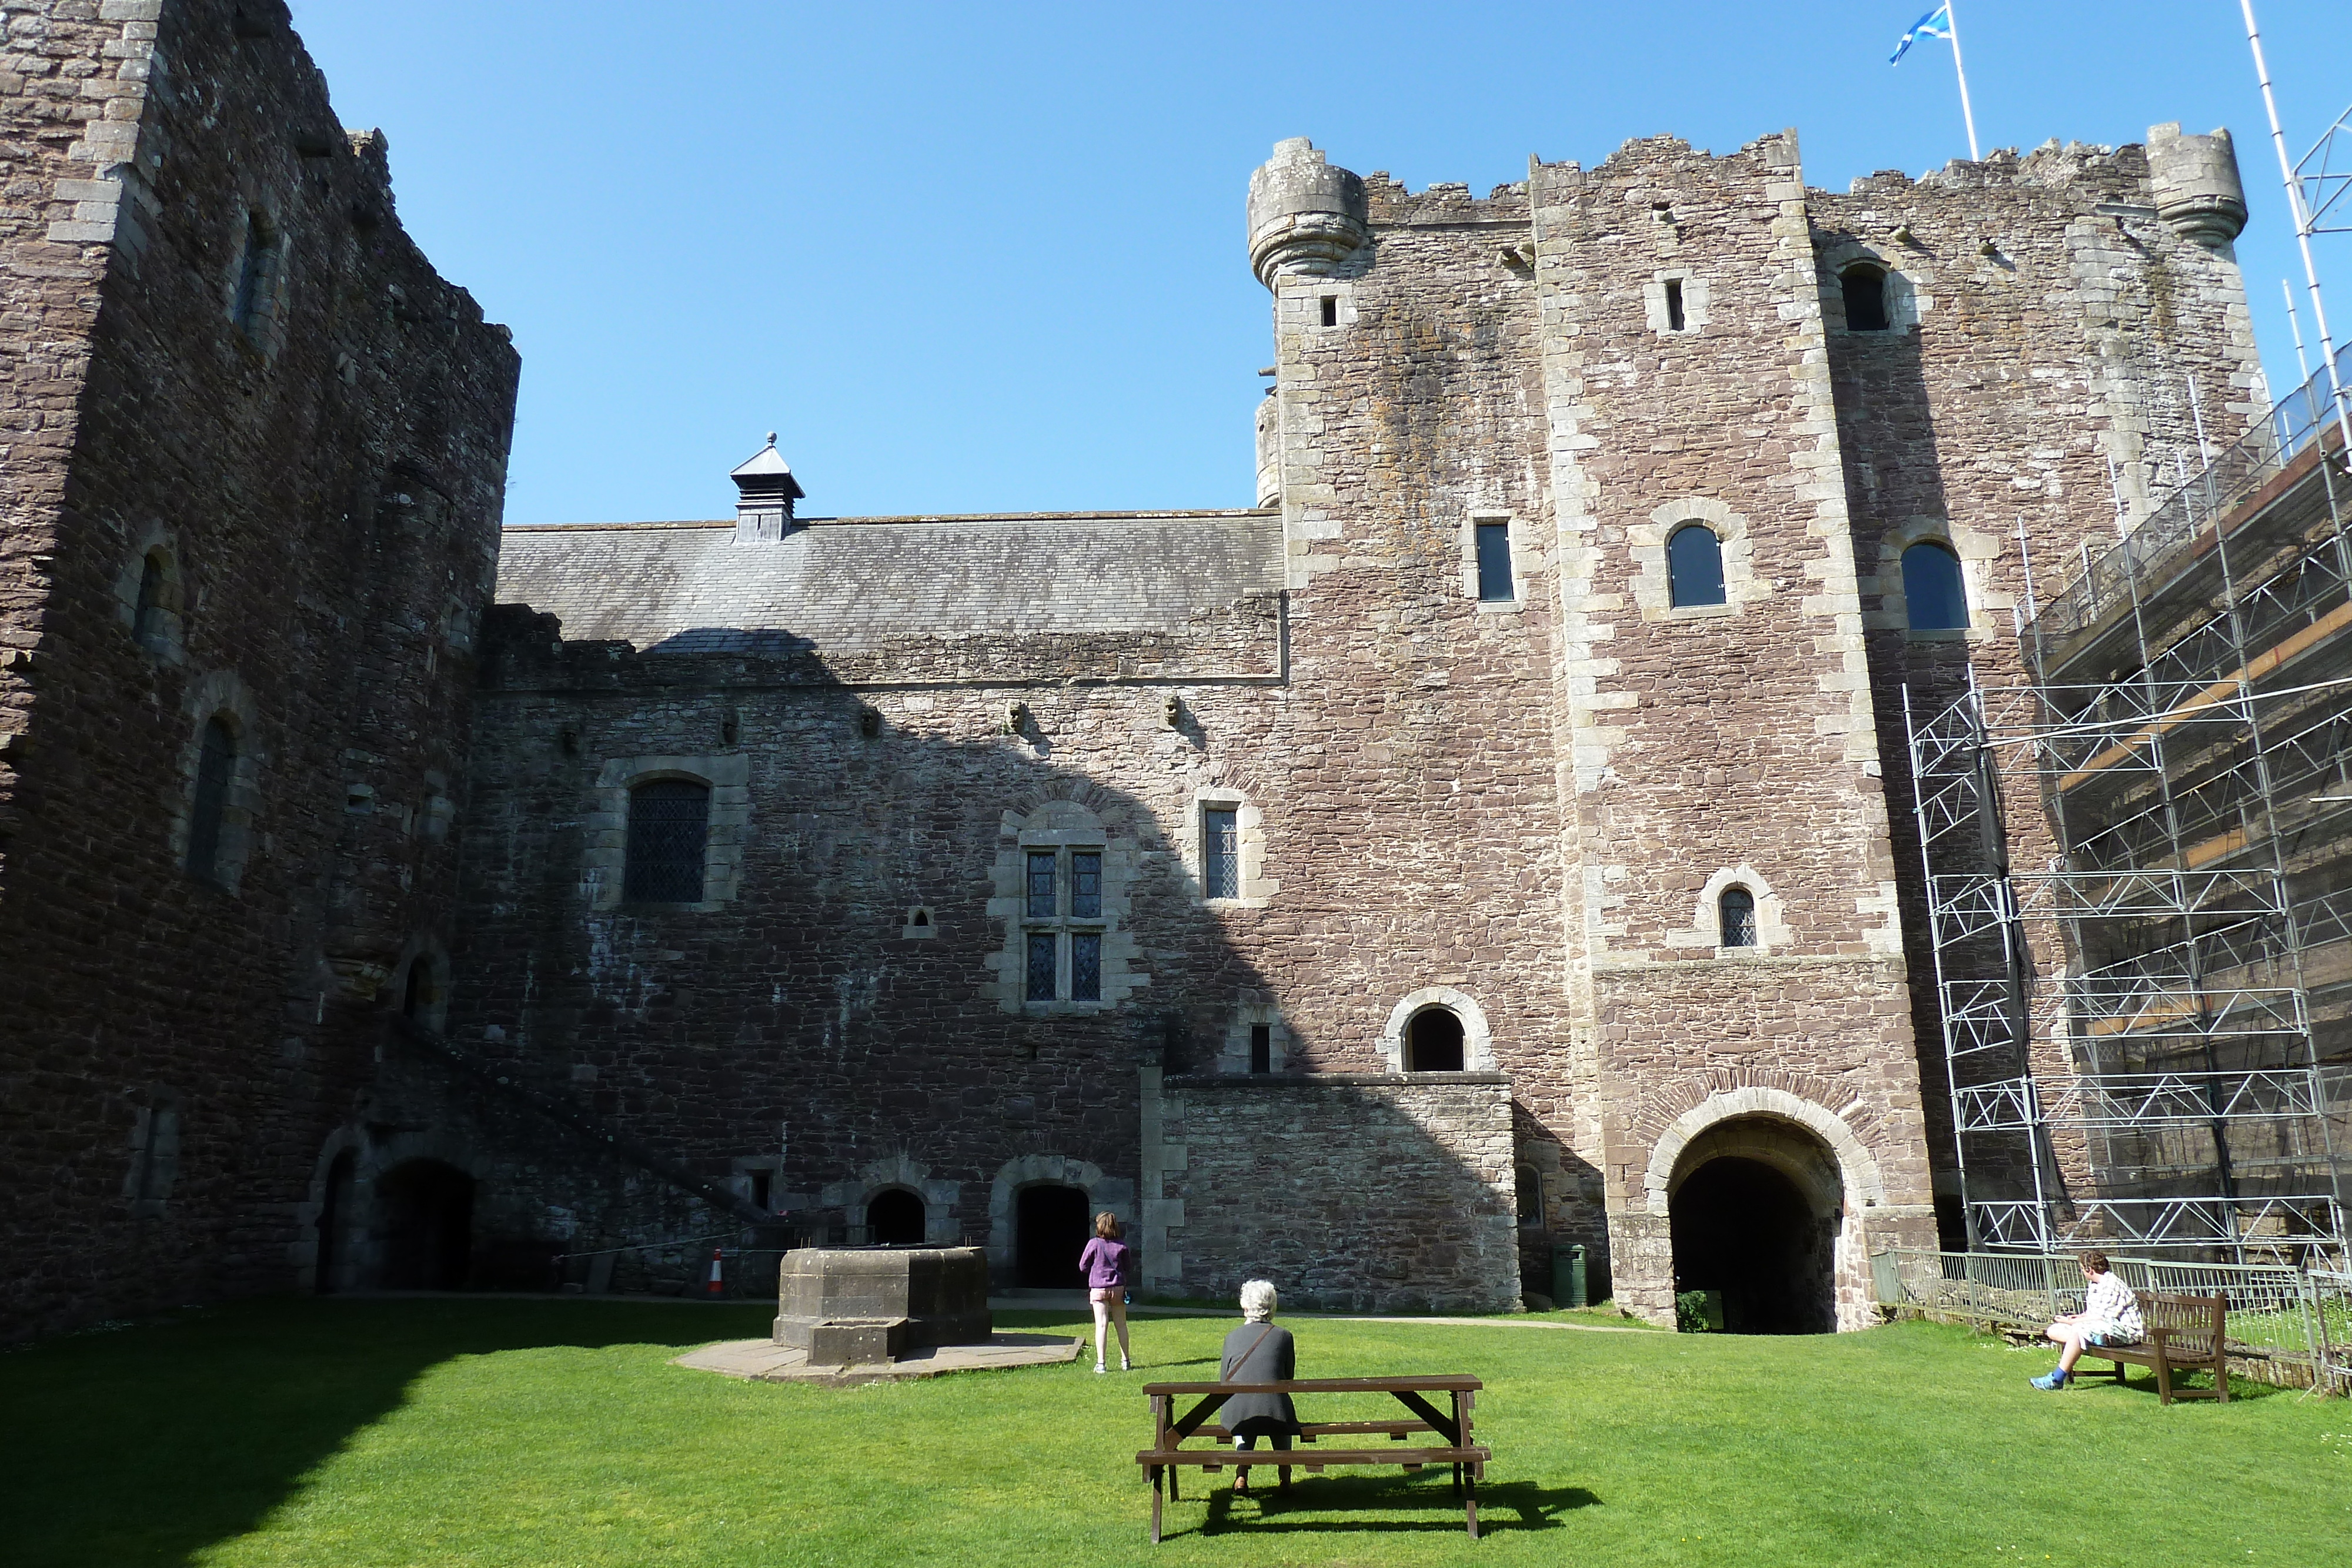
(1352,1192)
(1886,433)
(799,1040)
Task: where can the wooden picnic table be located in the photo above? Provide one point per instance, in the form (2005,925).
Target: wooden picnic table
(1169,1431)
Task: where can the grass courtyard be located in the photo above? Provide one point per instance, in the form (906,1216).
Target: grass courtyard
(318,1433)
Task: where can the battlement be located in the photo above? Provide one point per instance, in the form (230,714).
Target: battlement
(1392,206)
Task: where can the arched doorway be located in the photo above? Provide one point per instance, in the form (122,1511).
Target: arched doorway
(1755,1206)
(334,1212)
(895,1218)
(1050,1225)
(426,1226)
(1432,1041)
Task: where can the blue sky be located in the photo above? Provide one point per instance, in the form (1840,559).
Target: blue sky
(991,258)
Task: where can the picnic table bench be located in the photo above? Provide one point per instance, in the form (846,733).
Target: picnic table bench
(2185,1334)
(1167,1454)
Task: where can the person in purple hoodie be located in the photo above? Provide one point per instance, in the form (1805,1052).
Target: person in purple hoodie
(1108,1265)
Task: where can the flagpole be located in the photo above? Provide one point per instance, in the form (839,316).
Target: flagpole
(2302,216)
(1966,113)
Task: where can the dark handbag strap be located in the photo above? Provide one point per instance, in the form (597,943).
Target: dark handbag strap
(1263,1330)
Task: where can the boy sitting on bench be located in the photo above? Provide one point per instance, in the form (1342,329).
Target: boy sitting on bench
(2109,1316)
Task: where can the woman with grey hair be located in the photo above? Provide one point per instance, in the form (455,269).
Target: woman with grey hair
(1257,1352)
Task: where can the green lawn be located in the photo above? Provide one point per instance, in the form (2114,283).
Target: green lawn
(462,1432)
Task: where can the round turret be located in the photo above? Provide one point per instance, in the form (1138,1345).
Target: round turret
(1305,216)
(2195,179)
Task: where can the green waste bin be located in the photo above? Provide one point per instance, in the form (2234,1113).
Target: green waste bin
(1568,1277)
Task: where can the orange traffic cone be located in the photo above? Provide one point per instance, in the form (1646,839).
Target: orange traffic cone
(716,1286)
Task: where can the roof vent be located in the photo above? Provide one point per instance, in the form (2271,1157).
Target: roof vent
(764,493)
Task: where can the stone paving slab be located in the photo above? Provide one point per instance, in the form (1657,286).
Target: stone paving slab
(763,1361)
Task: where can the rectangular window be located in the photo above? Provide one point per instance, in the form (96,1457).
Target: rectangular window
(670,835)
(1261,1048)
(1085,966)
(1674,304)
(1086,885)
(1220,852)
(1495,562)
(1041,885)
(1330,310)
(1041,964)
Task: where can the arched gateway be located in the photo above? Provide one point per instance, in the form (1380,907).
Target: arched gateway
(1760,1191)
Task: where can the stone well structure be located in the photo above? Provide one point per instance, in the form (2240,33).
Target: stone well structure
(855,1306)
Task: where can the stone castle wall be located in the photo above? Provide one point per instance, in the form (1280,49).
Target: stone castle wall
(1712,745)
(317,469)
(1354,1192)
(2067,346)
(1521,810)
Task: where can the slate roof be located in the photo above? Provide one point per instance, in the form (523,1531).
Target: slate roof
(849,585)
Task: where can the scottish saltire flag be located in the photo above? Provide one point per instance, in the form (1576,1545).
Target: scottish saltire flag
(1935,24)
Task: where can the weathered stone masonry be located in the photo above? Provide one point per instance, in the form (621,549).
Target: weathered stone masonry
(222,357)
(255,449)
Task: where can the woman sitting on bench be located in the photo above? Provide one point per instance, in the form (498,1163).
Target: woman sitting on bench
(1257,1352)
(2110,1315)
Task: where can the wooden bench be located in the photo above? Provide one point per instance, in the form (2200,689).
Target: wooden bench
(2185,1334)
(1168,1455)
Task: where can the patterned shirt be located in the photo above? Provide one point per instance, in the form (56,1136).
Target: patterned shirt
(2111,1312)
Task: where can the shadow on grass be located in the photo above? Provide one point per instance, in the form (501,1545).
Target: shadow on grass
(149,1445)
(2196,1387)
(1536,1507)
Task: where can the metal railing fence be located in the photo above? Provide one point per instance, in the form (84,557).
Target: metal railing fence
(2236,472)
(2298,1322)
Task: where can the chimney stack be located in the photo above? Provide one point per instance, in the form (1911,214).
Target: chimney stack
(765,491)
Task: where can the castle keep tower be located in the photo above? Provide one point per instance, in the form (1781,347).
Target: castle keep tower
(1498,837)
(251,493)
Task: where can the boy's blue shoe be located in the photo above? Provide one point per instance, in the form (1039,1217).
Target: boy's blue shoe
(2049,1382)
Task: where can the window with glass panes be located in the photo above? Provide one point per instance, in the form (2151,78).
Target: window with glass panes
(1062,915)
(1220,852)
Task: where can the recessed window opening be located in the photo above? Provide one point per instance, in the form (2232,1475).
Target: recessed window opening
(1330,310)
(215,766)
(1694,566)
(1261,1048)
(1063,906)
(1530,1196)
(156,1154)
(1935,599)
(763,1187)
(1736,918)
(418,991)
(1864,288)
(253,274)
(1674,304)
(922,917)
(1220,852)
(147,623)
(669,829)
(1432,1041)
(1494,584)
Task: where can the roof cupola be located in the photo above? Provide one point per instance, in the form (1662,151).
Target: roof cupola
(764,493)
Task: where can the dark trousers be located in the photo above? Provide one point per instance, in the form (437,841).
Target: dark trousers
(1246,1438)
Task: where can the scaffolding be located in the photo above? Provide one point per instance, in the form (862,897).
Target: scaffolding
(2149,1036)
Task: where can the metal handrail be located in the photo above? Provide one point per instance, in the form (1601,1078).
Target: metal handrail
(2291,427)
